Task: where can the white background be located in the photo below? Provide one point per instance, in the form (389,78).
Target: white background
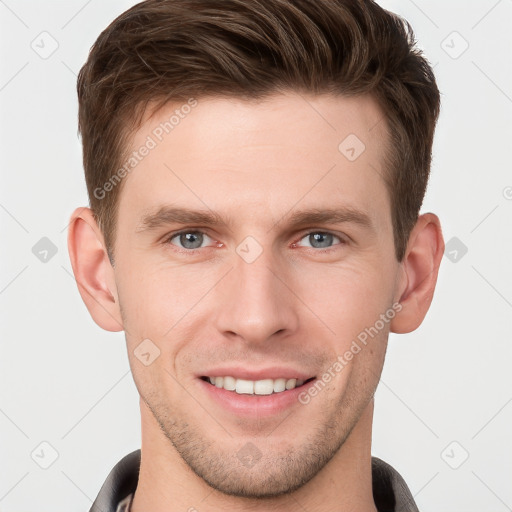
(66,382)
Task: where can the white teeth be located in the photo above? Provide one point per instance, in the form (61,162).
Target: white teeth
(258,387)
(229,383)
(264,387)
(279,385)
(290,383)
(245,386)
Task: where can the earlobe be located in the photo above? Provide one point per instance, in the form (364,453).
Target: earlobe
(93,272)
(420,268)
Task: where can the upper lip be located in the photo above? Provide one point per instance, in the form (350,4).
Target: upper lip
(274,372)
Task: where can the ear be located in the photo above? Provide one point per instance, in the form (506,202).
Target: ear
(93,271)
(419,270)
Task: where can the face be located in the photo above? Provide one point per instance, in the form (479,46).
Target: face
(254,244)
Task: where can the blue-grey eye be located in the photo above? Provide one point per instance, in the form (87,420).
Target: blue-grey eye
(189,239)
(320,240)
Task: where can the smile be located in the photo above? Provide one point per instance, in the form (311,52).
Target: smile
(255,387)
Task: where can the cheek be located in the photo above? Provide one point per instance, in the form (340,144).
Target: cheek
(347,300)
(154,299)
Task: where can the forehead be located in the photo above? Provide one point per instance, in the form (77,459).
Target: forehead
(271,155)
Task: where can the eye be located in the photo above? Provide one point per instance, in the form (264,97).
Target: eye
(193,240)
(321,240)
(189,240)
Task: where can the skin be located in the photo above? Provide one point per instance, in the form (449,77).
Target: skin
(255,164)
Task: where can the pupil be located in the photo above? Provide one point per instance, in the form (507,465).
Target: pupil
(321,240)
(190,240)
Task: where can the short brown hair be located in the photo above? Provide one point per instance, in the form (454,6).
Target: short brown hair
(172,50)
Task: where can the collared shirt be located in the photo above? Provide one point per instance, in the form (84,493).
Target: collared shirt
(390,492)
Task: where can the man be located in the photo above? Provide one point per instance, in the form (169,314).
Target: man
(255,172)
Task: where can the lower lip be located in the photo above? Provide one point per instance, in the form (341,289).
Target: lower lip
(255,405)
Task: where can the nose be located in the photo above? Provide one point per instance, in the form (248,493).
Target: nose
(256,302)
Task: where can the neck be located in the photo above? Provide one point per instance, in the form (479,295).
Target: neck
(167,484)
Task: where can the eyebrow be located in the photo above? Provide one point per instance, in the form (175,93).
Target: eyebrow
(167,215)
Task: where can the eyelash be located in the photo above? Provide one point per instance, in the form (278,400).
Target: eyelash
(167,241)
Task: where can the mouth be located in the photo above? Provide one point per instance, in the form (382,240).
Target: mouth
(255,393)
(261,387)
